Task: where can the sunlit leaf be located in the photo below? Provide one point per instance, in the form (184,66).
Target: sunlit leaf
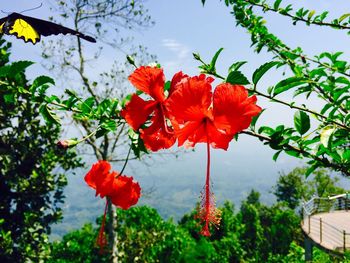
(326,135)
(301,122)
(257,75)
(287,84)
(49,115)
(214,59)
(236,77)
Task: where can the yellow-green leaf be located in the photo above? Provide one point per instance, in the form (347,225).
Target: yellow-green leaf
(326,135)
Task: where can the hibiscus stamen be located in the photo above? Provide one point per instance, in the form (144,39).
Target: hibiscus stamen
(164,120)
(101,238)
(208,213)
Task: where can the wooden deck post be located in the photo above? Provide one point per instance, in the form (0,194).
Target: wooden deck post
(309,226)
(320,230)
(308,244)
(344,240)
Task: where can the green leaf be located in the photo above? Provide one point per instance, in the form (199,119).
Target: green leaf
(167,85)
(326,135)
(311,169)
(4,71)
(87,105)
(235,66)
(343,17)
(287,84)
(9,98)
(275,156)
(49,116)
(109,125)
(101,132)
(301,122)
(276,4)
(19,66)
(311,13)
(255,119)
(215,58)
(203,2)
(258,73)
(293,153)
(236,77)
(323,15)
(41,80)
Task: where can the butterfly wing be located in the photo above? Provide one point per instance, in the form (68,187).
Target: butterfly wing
(2,22)
(47,28)
(22,29)
(31,29)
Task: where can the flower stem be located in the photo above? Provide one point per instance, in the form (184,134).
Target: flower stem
(205,230)
(101,238)
(126,161)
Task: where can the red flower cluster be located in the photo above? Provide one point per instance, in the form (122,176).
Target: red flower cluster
(196,114)
(121,190)
(149,117)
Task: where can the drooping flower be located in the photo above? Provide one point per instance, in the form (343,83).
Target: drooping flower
(151,80)
(127,192)
(100,179)
(122,191)
(198,116)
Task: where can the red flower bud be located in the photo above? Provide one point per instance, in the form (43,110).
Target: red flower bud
(65,144)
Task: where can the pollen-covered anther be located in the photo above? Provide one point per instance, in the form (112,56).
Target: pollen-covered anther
(208,214)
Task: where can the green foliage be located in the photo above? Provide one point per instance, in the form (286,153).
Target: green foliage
(292,188)
(78,246)
(326,76)
(236,77)
(30,191)
(255,233)
(145,237)
(259,72)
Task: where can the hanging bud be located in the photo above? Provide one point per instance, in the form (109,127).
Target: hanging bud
(196,56)
(65,144)
(131,60)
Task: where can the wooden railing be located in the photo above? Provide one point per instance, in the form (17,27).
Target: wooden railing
(323,205)
(316,227)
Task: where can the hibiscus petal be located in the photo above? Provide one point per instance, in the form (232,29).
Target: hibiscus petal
(101,168)
(104,184)
(100,179)
(126,192)
(150,80)
(232,109)
(217,138)
(158,135)
(177,78)
(190,133)
(191,99)
(137,111)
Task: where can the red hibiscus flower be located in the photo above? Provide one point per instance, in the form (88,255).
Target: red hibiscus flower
(121,190)
(127,191)
(100,179)
(158,134)
(198,116)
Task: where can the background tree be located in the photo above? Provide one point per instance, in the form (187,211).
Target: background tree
(32,168)
(109,22)
(293,188)
(255,233)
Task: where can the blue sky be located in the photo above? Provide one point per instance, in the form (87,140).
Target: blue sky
(183,27)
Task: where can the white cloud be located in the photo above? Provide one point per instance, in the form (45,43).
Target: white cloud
(180,54)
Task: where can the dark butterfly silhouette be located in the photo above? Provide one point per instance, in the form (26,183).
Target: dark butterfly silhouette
(31,29)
